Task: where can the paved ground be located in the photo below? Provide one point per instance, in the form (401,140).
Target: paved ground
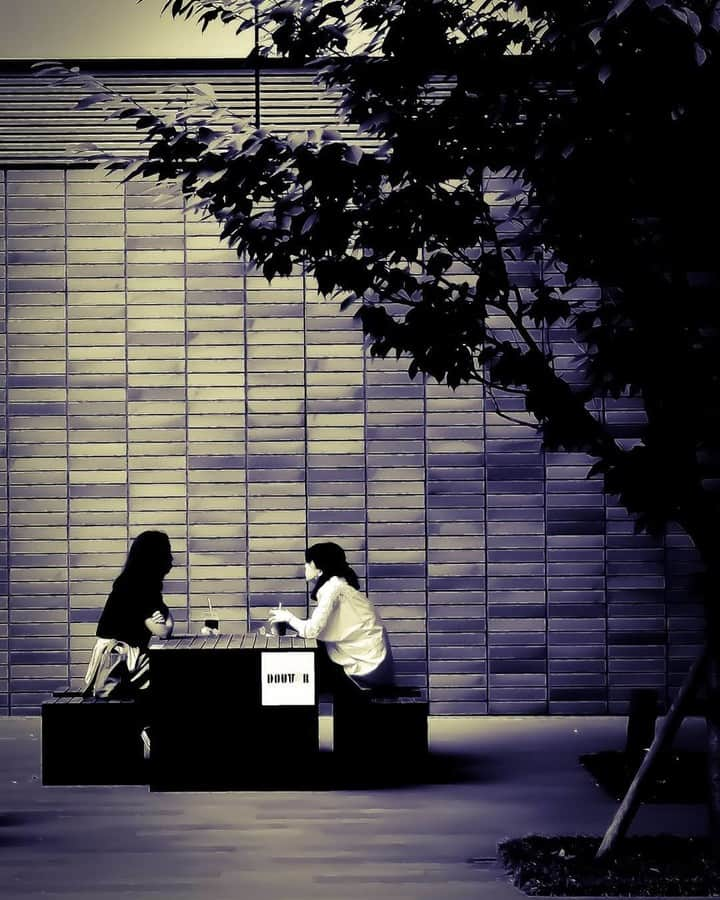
(503,777)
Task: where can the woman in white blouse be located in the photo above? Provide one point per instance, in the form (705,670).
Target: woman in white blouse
(344,619)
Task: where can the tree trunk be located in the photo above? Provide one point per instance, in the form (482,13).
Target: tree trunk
(633,796)
(703,527)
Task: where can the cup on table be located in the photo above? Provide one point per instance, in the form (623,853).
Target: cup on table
(210,626)
(279,628)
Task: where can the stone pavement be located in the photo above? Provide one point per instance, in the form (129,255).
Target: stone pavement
(496,778)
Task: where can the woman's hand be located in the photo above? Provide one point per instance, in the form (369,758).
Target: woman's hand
(279,615)
(159,625)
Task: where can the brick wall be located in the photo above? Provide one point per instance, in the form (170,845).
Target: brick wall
(150,381)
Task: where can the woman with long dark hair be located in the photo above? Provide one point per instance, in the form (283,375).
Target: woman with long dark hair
(133,613)
(344,619)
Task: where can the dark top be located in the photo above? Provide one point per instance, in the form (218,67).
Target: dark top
(126,609)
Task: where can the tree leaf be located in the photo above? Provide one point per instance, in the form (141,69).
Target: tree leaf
(693,20)
(619,8)
(93,100)
(309,223)
(205,88)
(374,122)
(352,154)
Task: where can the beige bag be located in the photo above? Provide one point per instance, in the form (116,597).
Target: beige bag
(116,670)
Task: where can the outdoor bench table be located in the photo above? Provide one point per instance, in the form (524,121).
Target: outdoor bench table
(231,711)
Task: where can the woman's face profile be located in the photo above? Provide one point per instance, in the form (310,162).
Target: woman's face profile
(311,571)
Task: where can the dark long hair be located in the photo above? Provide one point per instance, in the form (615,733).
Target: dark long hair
(330,559)
(149,559)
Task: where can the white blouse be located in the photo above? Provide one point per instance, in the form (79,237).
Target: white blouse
(346,621)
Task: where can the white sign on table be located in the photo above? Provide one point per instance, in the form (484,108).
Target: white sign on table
(287,679)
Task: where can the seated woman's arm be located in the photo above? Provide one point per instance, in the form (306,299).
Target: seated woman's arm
(313,627)
(159,625)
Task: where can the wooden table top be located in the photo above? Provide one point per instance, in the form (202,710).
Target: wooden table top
(250,641)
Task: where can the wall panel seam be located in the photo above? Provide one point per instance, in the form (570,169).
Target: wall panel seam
(427,531)
(68,593)
(125,196)
(7,436)
(305,424)
(188,580)
(483,426)
(606,610)
(246,380)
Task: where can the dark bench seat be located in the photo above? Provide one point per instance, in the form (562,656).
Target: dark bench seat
(386,727)
(91,741)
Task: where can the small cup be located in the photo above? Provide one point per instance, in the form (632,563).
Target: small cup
(278,628)
(210,626)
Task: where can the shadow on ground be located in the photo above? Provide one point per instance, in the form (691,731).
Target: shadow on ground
(18,829)
(328,773)
(678,776)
